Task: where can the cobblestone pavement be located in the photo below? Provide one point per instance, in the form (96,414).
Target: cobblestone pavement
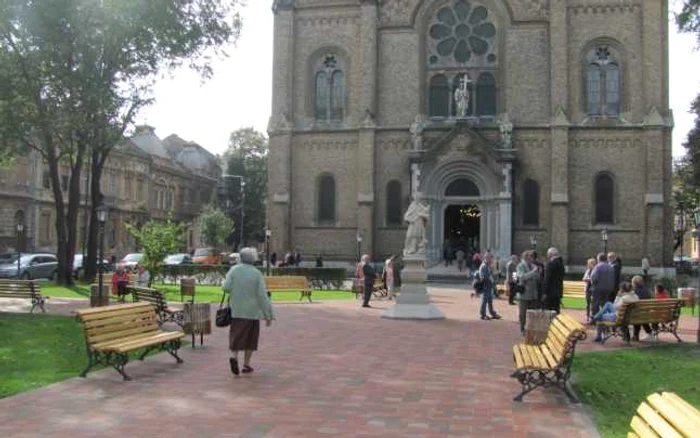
(324,369)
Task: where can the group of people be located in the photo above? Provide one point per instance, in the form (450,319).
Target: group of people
(366,273)
(469,259)
(291,259)
(121,280)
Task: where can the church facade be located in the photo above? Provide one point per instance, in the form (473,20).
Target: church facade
(520,123)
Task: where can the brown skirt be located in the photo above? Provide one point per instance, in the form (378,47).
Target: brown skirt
(244,334)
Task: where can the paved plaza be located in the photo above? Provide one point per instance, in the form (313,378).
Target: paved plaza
(324,369)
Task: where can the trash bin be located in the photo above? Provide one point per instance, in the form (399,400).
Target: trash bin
(537,325)
(197,320)
(187,289)
(99,298)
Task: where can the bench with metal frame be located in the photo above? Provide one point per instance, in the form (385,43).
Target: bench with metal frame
(24,289)
(665,415)
(661,315)
(549,364)
(157,298)
(112,332)
(289,283)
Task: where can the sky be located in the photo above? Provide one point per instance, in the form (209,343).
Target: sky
(239,94)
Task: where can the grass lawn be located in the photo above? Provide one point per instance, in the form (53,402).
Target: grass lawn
(36,350)
(614,383)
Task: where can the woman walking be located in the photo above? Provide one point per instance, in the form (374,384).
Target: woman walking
(390,278)
(249,304)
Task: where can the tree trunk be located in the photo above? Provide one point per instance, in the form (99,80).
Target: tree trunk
(90,263)
(73,211)
(61,236)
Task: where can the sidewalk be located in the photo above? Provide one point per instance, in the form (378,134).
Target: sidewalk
(324,369)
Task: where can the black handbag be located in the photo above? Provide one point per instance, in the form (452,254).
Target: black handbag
(223,314)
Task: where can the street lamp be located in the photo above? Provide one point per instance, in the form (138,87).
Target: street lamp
(604,238)
(533,242)
(268,233)
(359,246)
(240,239)
(102,213)
(20,229)
(679,228)
(696,236)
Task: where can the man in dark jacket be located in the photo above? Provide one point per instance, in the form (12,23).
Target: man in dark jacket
(554,281)
(368,274)
(617,269)
(602,283)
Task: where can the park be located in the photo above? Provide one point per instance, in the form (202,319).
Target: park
(403,218)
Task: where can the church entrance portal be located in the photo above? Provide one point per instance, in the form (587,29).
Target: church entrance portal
(463,226)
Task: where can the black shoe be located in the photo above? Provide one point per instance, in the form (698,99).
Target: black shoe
(485,318)
(366,305)
(234,366)
(495,316)
(247,369)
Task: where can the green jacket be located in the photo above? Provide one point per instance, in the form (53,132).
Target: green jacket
(249,300)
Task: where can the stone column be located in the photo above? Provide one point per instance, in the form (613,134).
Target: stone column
(279,212)
(365,185)
(505,207)
(558,43)
(283,61)
(559,197)
(657,245)
(368,57)
(654,25)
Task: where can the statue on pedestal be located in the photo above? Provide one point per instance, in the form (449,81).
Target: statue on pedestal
(417,218)
(416,131)
(506,129)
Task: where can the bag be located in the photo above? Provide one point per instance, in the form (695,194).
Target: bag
(478,283)
(223,314)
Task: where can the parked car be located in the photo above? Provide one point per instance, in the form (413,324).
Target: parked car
(206,256)
(177,259)
(5,257)
(79,271)
(130,261)
(31,267)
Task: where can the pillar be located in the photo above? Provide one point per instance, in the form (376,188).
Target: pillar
(559,196)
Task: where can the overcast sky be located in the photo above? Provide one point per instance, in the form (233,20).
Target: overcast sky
(239,94)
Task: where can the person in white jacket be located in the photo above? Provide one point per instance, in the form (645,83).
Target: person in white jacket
(609,311)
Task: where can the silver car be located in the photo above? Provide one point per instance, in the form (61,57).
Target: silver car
(31,266)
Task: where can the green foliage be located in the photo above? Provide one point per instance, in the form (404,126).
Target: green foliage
(158,239)
(614,383)
(215,225)
(247,156)
(688,19)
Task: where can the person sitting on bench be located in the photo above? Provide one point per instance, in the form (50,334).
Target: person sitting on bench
(609,311)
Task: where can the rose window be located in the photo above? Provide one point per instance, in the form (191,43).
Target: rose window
(461,34)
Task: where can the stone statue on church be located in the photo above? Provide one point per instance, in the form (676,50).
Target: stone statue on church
(417,218)
(416,130)
(506,129)
(462,97)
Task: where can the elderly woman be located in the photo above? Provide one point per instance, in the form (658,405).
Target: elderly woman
(249,304)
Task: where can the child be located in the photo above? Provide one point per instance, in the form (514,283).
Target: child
(609,311)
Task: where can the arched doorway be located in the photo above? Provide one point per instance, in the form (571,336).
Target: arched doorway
(462,226)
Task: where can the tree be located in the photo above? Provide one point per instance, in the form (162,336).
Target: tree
(158,239)
(247,156)
(216,227)
(74,73)
(688,20)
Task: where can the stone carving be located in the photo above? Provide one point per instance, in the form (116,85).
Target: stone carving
(462,96)
(283,5)
(397,12)
(416,130)
(417,218)
(506,129)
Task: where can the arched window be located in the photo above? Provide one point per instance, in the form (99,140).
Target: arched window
(486,95)
(531,203)
(462,187)
(603,81)
(329,89)
(604,199)
(394,209)
(439,96)
(326,200)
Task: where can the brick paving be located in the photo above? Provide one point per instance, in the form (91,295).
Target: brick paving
(325,369)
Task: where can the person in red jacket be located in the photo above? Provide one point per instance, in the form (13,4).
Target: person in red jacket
(660,293)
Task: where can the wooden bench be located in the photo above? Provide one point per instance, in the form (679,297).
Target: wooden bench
(289,283)
(575,289)
(665,415)
(549,364)
(662,315)
(157,298)
(378,289)
(25,289)
(112,332)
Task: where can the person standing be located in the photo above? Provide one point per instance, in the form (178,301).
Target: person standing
(540,269)
(554,281)
(249,302)
(368,274)
(616,264)
(489,283)
(476,260)
(590,264)
(646,266)
(447,252)
(528,275)
(511,269)
(602,283)
(389,278)
(460,260)
(273,259)
(319,261)
(144,277)
(297,258)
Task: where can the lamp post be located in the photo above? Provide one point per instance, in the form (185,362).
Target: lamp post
(359,246)
(20,229)
(696,236)
(102,213)
(268,233)
(604,238)
(533,242)
(242,214)
(679,227)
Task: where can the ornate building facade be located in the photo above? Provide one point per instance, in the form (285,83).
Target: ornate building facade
(519,122)
(143,178)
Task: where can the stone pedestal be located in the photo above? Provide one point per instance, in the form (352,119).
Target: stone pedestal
(413,301)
